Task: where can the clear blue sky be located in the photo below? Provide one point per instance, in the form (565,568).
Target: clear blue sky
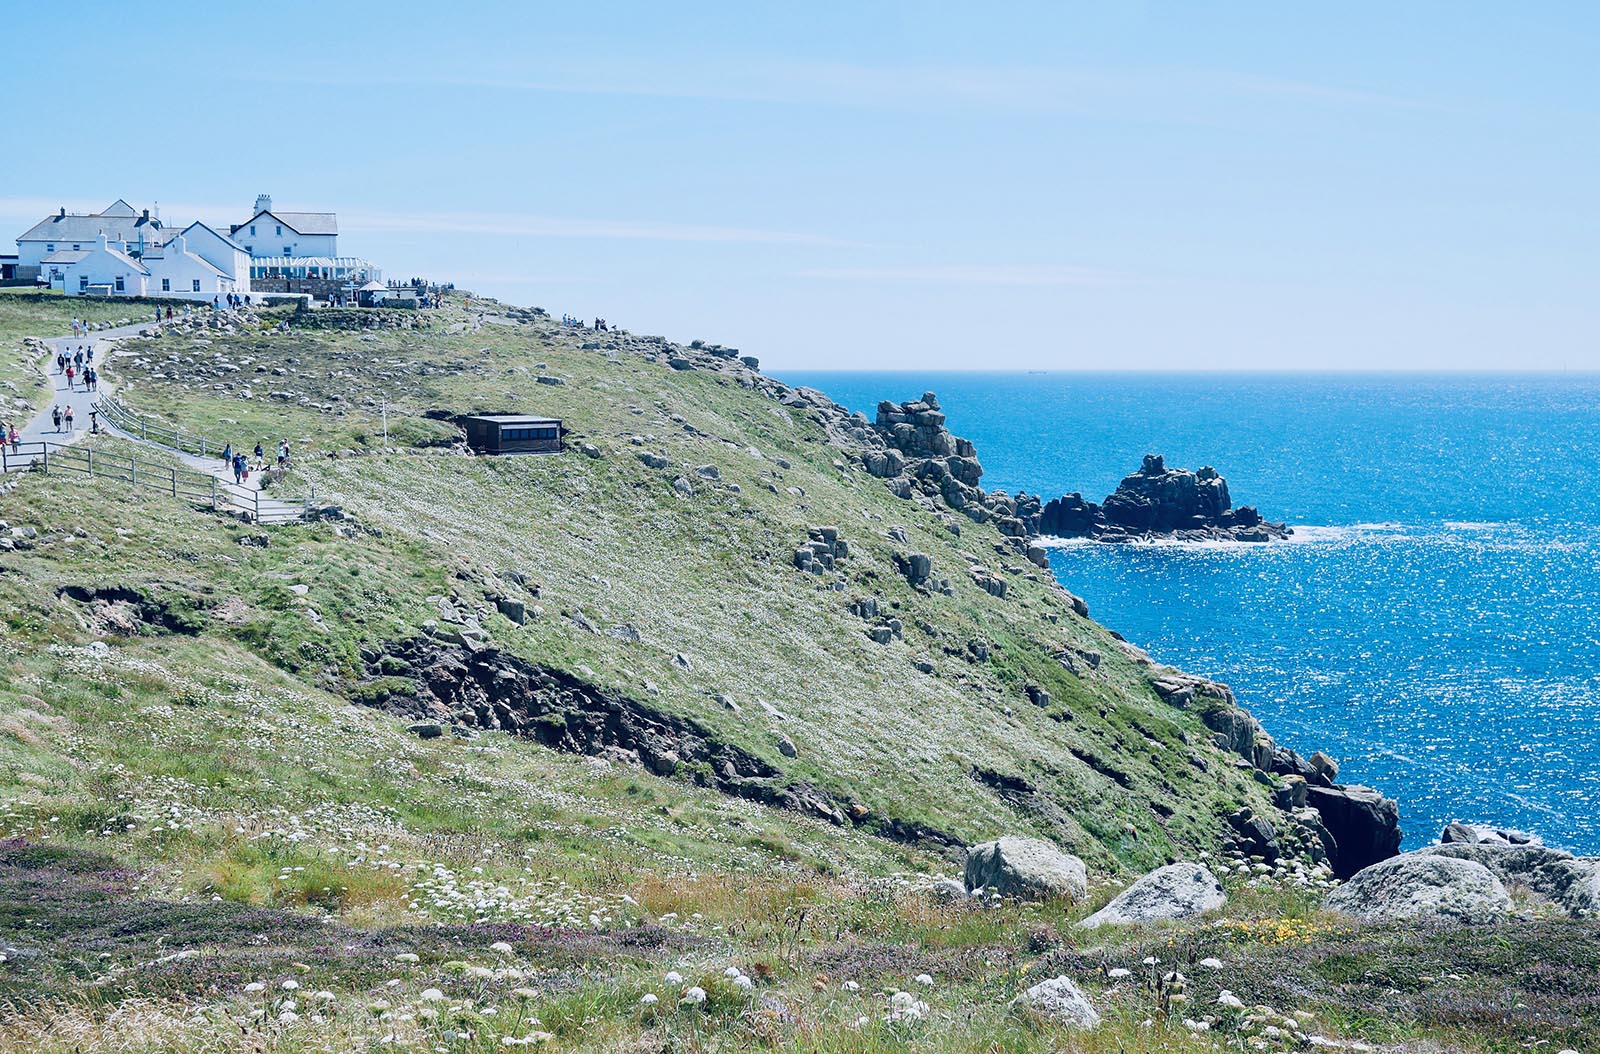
(1136,185)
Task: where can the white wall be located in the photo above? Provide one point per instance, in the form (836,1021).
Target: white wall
(266,242)
(101,268)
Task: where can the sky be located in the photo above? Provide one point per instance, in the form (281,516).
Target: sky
(1060,186)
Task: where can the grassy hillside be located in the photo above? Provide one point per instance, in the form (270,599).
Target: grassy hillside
(218,834)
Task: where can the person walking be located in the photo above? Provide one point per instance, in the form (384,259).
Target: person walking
(227,454)
(16,440)
(55,416)
(261,457)
(69,417)
(72,371)
(238,469)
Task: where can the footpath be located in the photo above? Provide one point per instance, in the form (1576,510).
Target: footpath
(42,427)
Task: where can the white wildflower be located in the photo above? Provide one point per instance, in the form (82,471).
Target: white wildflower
(694,996)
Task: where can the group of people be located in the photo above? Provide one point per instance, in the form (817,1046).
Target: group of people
(241,464)
(600,324)
(79,367)
(61,416)
(234,300)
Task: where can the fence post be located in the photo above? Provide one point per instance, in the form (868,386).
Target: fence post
(143,429)
(174,482)
(213,492)
(133,472)
(89,456)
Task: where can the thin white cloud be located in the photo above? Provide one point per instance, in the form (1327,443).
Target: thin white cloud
(530,225)
(1153,90)
(971,274)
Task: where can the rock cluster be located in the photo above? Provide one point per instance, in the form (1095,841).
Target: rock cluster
(1158,502)
(1350,827)
(822,551)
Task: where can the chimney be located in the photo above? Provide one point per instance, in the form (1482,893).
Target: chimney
(263,204)
(182,244)
(63,214)
(146,217)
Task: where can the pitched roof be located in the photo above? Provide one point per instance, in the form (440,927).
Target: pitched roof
(299,222)
(119,208)
(79,228)
(207,227)
(65,256)
(122,257)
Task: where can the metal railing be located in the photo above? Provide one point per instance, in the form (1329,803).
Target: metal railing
(136,424)
(256,505)
(195,487)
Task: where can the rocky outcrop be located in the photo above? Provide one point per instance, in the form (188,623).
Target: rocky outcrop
(1059,1001)
(1177,891)
(1351,827)
(1423,888)
(1158,502)
(434,682)
(1363,825)
(1026,868)
(1567,882)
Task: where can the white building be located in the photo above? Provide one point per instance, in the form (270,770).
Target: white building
(185,267)
(287,234)
(122,251)
(76,232)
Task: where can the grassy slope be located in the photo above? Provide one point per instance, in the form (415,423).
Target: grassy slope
(203,786)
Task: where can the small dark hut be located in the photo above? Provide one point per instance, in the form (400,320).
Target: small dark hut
(512,434)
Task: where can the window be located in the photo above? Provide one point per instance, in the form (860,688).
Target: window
(252,230)
(279,230)
(120,286)
(76,247)
(250,248)
(196,285)
(49,248)
(83,282)
(288,250)
(166,285)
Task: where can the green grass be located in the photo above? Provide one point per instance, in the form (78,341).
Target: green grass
(198,791)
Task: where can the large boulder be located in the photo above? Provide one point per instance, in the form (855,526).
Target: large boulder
(1177,891)
(1569,882)
(1060,1001)
(1363,824)
(1425,888)
(1027,868)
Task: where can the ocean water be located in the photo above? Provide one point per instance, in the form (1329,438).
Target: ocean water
(1435,623)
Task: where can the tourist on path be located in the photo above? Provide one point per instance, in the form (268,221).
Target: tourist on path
(238,469)
(69,417)
(227,454)
(16,440)
(55,416)
(72,371)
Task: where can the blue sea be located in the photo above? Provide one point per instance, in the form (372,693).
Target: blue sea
(1435,623)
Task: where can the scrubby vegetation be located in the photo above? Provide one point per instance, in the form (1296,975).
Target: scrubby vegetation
(220,835)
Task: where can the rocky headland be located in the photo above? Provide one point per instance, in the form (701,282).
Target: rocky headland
(1158,502)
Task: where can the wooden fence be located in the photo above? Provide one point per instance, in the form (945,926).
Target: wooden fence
(195,487)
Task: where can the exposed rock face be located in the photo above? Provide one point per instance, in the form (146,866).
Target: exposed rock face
(1027,868)
(439,683)
(1158,502)
(1566,881)
(1424,888)
(1364,826)
(1177,891)
(1353,827)
(1059,1000)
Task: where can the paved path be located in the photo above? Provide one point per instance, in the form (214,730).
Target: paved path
(42,428)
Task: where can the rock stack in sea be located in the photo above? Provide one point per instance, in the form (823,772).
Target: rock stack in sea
(1160,502)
